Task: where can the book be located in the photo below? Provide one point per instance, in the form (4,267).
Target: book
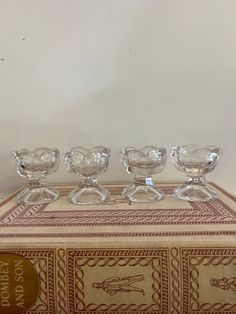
(171,256)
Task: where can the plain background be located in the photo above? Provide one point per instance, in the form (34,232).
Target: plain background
(117,73)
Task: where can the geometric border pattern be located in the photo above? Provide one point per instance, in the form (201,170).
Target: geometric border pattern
(175,278)
(157,259)
(214,212)
(120,234)
(61,282)
(191,258)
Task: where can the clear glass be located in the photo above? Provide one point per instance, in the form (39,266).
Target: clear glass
(142,164)
(195,161)
(88,164)
(36,165)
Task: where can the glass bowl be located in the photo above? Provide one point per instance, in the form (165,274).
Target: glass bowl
(88,164)
(143,163)
(195,161)
(36,165)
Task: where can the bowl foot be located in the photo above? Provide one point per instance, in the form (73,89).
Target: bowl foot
(142,193)
(39,195)
(89,195)
(195,193)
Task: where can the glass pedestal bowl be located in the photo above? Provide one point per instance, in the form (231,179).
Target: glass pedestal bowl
(195,161)
(142,164)
(36,165)
(88,164)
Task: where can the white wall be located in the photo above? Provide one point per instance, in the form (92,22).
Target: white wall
(117,72)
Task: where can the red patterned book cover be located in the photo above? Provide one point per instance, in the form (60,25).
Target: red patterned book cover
(167,257)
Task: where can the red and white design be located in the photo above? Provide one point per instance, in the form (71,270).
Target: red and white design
(120,234)
(214,212)
(191,260)
(156,259)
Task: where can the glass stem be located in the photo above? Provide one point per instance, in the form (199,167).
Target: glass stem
(195,180)
(89,182)
(37,183)
(139,180)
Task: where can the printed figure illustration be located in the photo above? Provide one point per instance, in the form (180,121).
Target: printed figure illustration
(224,283)
(120,284)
